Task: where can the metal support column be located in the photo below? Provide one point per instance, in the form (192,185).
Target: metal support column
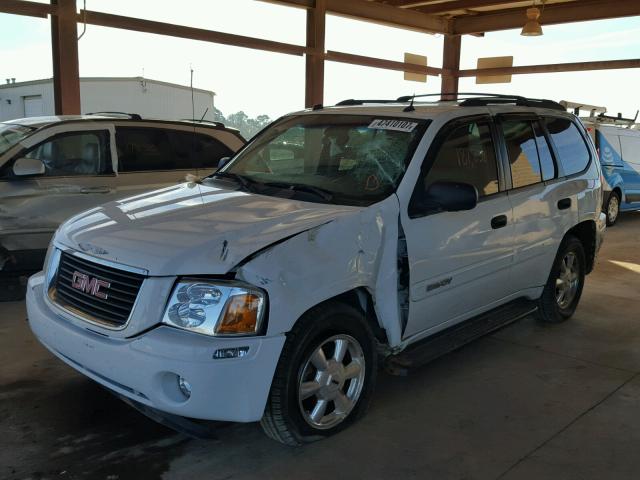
(314,71)
(64,49)
(451,63)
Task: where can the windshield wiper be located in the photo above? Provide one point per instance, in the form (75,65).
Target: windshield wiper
(244,181)
(323,193)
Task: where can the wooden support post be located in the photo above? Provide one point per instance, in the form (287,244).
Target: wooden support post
(451,64)
(314,73)
(64,49)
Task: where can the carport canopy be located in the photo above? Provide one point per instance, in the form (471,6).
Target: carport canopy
(451,18)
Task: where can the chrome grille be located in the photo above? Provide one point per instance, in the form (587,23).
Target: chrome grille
(110,304)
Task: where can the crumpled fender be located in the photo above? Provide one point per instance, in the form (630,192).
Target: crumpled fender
(358,250)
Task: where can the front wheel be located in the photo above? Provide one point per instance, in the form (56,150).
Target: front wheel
(325,376)
(563,290)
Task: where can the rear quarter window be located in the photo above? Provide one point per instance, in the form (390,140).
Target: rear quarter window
(573,153)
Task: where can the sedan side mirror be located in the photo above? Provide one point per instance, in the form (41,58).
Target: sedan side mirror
(223,161)
(452,196)
(28,167)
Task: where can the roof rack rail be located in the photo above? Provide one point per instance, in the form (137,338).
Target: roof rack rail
(478,99)
(483,99)
(132,116)
(578,107)
(198,120)
(353,101)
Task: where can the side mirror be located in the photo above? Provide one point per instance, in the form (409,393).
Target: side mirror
(28,167)
(450,196)
(223,161)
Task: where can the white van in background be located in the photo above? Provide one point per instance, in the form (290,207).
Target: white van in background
(617,140)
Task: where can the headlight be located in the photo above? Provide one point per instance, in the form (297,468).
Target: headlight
(215,307)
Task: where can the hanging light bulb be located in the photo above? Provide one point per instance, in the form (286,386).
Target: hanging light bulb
(532,28)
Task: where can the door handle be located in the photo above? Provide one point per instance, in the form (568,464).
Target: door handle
(564,204)
(96,190)
(499,222)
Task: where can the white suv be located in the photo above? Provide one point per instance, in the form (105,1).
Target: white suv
(337,237)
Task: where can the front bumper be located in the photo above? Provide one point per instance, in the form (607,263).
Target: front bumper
(145,368)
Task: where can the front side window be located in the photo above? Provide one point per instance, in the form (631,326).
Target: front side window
(78,153)
(352,159)
(467,155)
(570,145)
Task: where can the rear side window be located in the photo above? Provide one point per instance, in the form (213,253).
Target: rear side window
(143,149)
(467,155)
(196,150)
(522,152)
(570,145)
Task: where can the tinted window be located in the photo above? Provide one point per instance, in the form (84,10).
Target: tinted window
(467,156)
(196,150)
(522,152)
(82,153)
(572,149)
(141,149)
(547,164)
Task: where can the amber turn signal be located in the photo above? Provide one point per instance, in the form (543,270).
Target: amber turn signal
(241,315)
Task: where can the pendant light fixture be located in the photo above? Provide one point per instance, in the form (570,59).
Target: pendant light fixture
(532,28)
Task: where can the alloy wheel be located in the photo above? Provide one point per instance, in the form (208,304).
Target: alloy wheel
(568,280)
(331,381)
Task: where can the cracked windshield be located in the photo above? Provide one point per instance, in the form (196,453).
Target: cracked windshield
(344,159)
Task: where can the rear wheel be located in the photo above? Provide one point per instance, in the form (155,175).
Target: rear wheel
(612,208)
(325,376)
(563,290)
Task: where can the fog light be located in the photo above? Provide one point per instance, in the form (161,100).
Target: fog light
(234,352)
(184,387)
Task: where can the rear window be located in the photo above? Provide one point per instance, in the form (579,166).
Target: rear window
(631,149)
(570,145)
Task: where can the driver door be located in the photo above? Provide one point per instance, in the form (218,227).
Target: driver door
(78,175)
(459,261)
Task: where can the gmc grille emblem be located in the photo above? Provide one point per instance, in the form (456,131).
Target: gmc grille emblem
(90,285)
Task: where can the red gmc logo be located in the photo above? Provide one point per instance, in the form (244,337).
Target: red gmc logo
(90,285)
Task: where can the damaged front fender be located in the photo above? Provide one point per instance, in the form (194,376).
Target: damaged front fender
(355,251)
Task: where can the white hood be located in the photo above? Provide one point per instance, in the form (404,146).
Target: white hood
(191,229)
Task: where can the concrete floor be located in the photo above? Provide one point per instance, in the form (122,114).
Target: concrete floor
(529,402)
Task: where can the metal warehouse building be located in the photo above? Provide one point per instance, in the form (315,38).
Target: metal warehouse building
(150,98)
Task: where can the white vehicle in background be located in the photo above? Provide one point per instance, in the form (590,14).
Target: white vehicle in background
(54,167)
(268,291)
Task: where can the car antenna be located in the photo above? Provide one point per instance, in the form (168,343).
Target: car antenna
(203,115)
(410,108)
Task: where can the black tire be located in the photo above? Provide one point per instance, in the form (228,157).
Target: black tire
(283,418)
(550,308)
(612,213)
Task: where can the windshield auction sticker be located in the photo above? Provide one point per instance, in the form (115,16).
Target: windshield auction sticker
(396,125)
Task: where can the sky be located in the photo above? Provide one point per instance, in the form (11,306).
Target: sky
(268,83)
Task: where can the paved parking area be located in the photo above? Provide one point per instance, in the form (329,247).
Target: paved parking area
(529,402)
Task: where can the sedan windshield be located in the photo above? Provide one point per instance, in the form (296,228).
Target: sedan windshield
(344,159)
(11,134)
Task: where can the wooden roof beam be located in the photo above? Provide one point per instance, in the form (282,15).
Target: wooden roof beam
(377,13)
(552,68)
(30,9)
(553,14)
(161,28)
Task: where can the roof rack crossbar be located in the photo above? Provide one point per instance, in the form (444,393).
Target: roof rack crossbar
(132,116)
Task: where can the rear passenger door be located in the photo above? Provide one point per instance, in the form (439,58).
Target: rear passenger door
(544,200)
(459,261)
